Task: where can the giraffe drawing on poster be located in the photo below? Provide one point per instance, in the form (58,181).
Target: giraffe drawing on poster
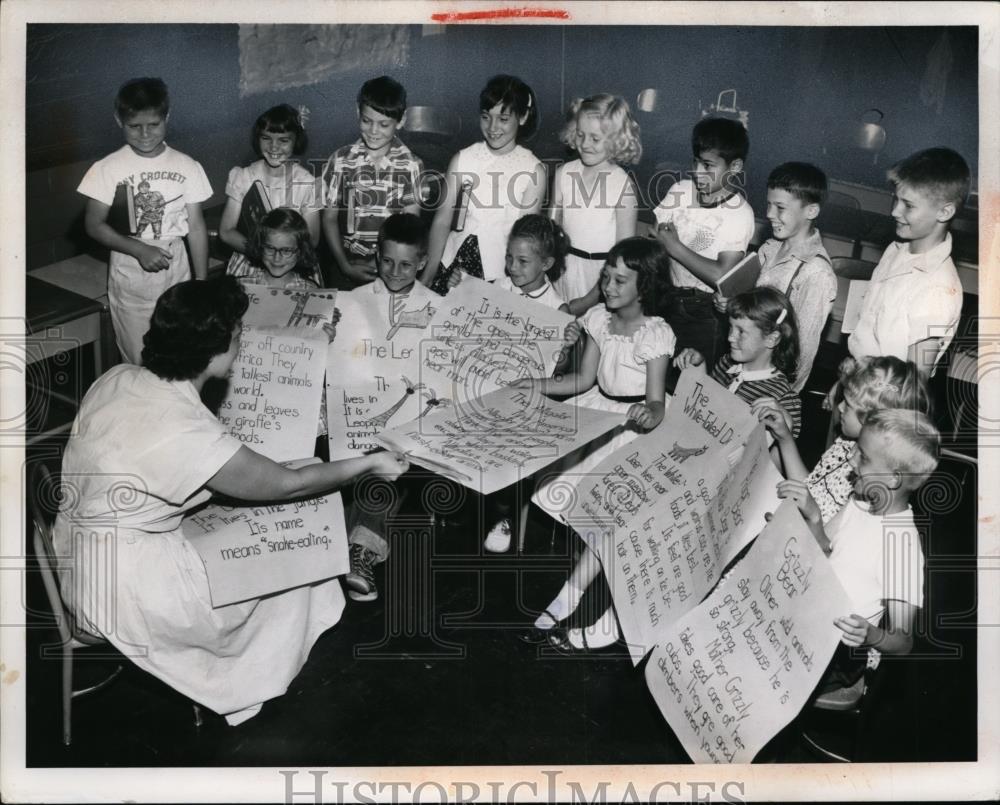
(398,317)
(382,419)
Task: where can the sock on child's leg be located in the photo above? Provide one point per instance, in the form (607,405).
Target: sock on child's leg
(603,632)
(562,606)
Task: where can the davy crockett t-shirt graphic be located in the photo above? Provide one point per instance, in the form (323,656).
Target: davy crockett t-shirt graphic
(162,187)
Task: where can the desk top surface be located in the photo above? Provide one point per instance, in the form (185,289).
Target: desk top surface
(83,274)
(48,305)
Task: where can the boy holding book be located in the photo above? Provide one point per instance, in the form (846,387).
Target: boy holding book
(705,224)
(369,180)
(166,188)
(793,259)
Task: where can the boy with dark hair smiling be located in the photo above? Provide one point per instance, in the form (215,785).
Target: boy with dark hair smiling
(369,180)
(705,226)
(915,297)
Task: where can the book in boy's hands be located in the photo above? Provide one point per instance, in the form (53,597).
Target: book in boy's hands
(462,206)
(256,205)
(856,293)
(741,277)
(121,216)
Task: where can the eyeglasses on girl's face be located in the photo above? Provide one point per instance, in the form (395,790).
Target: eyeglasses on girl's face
(283,252)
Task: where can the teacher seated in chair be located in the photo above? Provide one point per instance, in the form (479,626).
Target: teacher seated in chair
(145,450)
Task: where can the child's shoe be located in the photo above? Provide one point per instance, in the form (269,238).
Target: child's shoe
(600,634)
(499,538)
(360,580)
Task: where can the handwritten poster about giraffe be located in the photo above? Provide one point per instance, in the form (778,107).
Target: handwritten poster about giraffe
(484,337)
(491,442)
(275,389)
(731,673)
(250,551)
(286,307)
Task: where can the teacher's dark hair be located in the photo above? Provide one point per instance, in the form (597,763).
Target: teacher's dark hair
(192,323)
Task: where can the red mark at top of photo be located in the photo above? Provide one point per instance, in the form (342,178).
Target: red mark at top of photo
(499,14)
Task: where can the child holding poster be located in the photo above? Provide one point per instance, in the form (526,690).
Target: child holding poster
(537,245)
(763,351)
(868,385)
(873,542)
(279,136)
(401,254)
(623,368)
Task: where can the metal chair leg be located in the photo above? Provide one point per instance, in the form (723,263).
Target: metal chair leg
(67,694)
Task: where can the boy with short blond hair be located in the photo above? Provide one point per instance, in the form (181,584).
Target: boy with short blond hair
(915,297)
(873,542)
(168,189)
(369,180)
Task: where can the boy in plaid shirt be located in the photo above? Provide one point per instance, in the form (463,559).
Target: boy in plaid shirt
(369,180)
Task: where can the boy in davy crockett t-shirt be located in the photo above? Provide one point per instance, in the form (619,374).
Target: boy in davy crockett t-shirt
(168,188)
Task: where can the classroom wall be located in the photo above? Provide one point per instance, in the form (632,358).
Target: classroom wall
(804,88)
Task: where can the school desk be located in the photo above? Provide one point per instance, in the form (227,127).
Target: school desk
(87,276)
(59,319)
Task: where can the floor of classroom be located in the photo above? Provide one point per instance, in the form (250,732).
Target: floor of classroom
(434,671)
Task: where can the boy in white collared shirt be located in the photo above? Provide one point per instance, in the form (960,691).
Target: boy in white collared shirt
(915,296)
(401,252)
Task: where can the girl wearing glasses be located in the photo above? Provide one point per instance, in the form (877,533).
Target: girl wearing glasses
(281,254)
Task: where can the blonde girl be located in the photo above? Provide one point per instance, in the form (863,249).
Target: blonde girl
(869,384)
(594,199)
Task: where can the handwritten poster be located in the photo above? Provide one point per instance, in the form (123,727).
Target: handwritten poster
(483,337)
(731,673)
(668,511)
(252,551)
(285,307)
(379,333)
(373,368)
(359,413)
(494,441)
(275,390)
(662,552)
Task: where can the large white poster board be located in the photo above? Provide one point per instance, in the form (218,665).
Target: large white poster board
(668,511)
(373,369)
(484,337)
(275,390)
(731,673)
(492,442)
(250,551)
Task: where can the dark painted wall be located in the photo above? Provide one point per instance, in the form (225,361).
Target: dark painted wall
(805,89)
